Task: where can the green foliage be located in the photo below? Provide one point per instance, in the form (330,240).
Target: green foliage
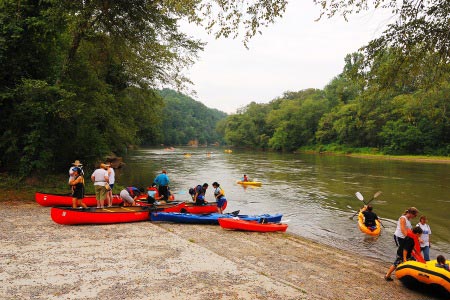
(368,110)
(78,77)
(418,28)
(185,120)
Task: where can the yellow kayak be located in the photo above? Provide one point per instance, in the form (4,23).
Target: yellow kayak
(364,228)
(255,183)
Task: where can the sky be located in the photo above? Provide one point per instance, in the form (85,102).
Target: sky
(294,53)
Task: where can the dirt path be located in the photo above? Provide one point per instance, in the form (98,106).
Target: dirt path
(44,260)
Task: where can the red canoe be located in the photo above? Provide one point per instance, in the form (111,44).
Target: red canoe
(107,215)
(238,224)
(46,199)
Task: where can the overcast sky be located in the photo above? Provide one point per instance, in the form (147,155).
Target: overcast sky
(293,54)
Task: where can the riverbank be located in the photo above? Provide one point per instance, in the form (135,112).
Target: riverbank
(44,260)
(411,158)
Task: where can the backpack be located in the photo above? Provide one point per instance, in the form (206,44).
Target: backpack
(197,189)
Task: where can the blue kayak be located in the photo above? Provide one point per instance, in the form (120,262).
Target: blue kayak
(212,218)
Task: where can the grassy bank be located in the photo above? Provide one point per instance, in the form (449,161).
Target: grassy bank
(372,153)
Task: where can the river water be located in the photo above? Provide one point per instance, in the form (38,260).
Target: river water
(315,193)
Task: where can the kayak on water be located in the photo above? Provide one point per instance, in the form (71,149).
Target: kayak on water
(365,229)
(254,183)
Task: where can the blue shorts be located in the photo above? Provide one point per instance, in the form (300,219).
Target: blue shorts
(221,202)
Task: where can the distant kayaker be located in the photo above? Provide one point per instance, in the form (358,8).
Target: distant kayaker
(425,243)
(100,179)
(245,178)
(370,217)
(130,194)
(162,181)
(220,197)
(404,252)
(78,188)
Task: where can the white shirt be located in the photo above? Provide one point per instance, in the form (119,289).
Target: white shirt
(425,237)
(71,177)
(100,177)
(398,231)
(111,175)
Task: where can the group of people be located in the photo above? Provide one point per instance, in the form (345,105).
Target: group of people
(103,178)
(159,192)
(198,194)
(411,241)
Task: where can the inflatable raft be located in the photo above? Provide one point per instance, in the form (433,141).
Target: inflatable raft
(365,229)
(437,278)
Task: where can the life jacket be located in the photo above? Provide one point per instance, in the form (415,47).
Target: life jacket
(416,251)
(132,191)
(217,193)
(154,189)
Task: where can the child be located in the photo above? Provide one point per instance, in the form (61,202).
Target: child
(425,242)
(441,262)
(404,252)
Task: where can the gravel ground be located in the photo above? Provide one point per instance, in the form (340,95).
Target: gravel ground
(43,260)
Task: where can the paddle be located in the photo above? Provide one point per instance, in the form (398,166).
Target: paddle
(361,198)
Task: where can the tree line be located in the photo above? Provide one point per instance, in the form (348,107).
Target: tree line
(390,108)
(80,78)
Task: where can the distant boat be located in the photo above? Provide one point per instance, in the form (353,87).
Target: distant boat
(228,151)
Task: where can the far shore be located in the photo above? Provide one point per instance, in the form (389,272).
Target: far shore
(412,158)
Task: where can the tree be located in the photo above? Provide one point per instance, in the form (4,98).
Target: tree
(86,71)
(419,29)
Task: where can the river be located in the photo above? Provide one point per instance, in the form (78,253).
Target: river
(315,193)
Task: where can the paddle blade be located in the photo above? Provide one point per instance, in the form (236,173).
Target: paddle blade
(377,194)
(359,196)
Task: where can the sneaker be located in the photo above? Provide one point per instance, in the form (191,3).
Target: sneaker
(388,278)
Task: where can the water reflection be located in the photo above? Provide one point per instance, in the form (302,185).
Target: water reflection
(316,192)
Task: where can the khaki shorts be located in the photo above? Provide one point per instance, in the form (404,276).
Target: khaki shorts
(100,192)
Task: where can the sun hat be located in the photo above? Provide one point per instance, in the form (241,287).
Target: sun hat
(77,163)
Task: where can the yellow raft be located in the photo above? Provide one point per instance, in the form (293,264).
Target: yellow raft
(364,228)
(437,278)
(255,183)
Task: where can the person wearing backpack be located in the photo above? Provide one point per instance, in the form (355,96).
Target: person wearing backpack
(198,194)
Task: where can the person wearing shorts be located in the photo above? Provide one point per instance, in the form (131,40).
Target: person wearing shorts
(129,195)
(220,197)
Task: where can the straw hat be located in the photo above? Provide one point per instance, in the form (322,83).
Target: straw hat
(77,163)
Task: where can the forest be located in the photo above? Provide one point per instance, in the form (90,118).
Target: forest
(374,110)
(86,79)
